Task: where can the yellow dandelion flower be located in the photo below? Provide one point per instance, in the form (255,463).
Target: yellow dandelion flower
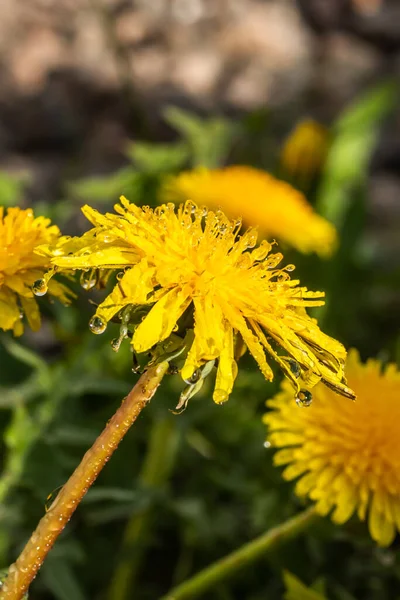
(274,206)
(305,150)
(20,267)
(190,263)
(347,454)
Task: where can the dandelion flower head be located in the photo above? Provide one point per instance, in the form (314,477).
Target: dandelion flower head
(189,265)
(20,267)
(345,454)
(272,205)
(305,150)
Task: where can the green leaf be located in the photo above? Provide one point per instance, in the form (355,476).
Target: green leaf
(101,494)
(108,188)
(10,190)
(354,139)
(61,580)
(158,158)
(28,357)
(370,109)
(209,139)
(296,590)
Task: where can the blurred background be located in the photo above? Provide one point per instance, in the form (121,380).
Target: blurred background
(104,97)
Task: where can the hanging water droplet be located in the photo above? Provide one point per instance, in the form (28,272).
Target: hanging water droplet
(88,279)
(290,268)
(39,288)
(220,396)
(195,376)
(294,367)
(115,344)
(120,275)
(97,325)
(304,398)
(267,444)
(51,497)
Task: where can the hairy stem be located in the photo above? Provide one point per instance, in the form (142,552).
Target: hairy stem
(229,565)
(23,571)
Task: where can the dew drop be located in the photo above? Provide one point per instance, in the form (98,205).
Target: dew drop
(51,498)
(115,344)
(97,325)
(267,444)
(294,367)
(290,268)
(88,280)
(39,288)
(194,378)
(220,396)
(304,398)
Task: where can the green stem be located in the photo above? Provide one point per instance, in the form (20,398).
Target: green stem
(156,470)
(239,559)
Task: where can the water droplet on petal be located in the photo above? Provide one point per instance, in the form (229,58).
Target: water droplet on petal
(88,279)
(290,268)
(304,398)
(267,444)
(194,378)
(39,288)
(97,325)
(294,367)
(220,396)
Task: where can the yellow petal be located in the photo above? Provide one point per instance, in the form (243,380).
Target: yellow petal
(227,369)
(31,310)
(9,310)
(133,288)
(161,319)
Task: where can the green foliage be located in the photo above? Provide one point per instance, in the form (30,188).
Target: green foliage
(296,590)
(10,190)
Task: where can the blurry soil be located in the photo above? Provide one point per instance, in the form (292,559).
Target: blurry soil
(81,77)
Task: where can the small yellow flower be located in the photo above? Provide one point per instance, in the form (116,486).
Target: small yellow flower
(274,206)
(20,267)
(305,150)
(347,454)
(190,263)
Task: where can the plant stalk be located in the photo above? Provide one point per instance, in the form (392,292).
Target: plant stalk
(23,571)
(239,559)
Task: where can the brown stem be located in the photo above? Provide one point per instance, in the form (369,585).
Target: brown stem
(23,571)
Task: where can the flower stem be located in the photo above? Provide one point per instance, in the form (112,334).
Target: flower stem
(23,571)
(247,554)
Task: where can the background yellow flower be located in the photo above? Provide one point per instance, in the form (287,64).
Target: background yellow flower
(347,454)
(305,150)
(20,267)
(274,206)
